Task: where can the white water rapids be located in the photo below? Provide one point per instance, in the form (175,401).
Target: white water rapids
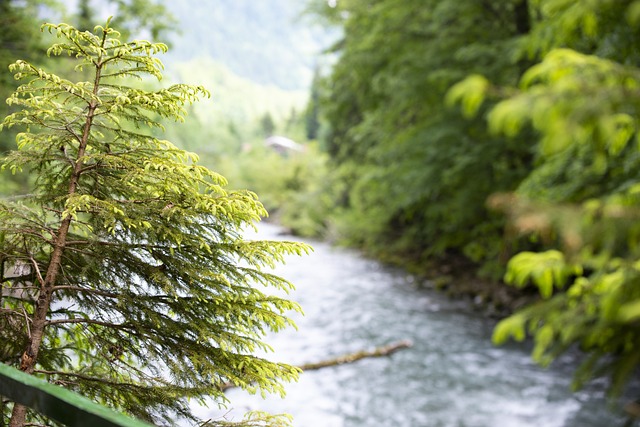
(452,376)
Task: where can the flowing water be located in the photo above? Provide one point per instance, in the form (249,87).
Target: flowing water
(452,376)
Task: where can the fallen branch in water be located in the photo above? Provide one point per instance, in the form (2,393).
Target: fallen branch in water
(354,357)
(347,358)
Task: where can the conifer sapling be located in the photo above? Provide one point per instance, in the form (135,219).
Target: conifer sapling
(125,275)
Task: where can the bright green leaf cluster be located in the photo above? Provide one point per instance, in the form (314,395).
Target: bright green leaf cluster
(545,269)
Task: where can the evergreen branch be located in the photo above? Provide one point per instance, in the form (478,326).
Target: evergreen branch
(123,326)
(6,312)
(86,290)
(126,72)
(72,131)
(89,167)
(140,201)
(100,380)
(37,270)
(20,279)
(27,232)
(17,197)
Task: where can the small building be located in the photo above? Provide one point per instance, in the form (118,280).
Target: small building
(283,145)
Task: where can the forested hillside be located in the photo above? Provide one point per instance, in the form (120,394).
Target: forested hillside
(258,59)
(267,42)
(498,136)
(417,170)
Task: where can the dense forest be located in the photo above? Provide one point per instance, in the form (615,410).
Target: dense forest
(501,137)
(490,146)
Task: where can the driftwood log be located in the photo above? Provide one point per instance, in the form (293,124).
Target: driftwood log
(347,358)
(354,357)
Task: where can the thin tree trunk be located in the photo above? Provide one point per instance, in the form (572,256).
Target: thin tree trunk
(522,18)
(39,319)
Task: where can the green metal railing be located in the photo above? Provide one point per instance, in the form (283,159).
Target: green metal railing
(58,403)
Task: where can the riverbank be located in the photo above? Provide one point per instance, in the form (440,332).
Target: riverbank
(459,279)
(495,299)
(454,277)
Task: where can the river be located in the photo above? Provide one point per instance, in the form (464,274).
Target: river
(452,376)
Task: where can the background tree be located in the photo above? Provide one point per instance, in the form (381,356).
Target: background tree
(145,15)
(85,16)
(557,81)
(312,113)
(416,173)
(19,36)
(125,276)
(267,125)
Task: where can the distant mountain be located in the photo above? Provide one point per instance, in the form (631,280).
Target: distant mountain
(234,98)
(265,41)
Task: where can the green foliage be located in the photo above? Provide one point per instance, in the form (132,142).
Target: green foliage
(135,16)
(256,419)
(608,29)
(295,188)
(596,311)
(18,35)
(148,295)
(470,92)
(545,269)
(20,38)
(590,287)
(267,125)
(416,173)
(552,91)
(581,200)
(312,113)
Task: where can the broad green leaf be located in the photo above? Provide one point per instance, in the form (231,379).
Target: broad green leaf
(511,327)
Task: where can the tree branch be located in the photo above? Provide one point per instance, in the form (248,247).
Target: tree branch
(85,290)
(37,269)
(88,378)
(386,350)
(88,321)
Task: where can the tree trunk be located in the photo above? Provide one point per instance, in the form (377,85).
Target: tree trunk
(39,319)
(522,17)
(38,322)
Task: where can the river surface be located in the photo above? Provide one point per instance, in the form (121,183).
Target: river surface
(452,376)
